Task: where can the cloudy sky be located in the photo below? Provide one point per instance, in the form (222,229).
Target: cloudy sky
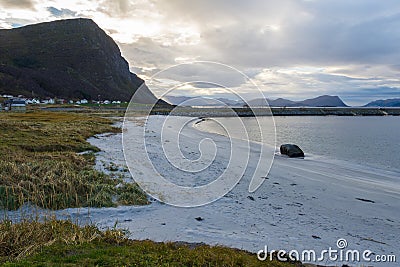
(291,48)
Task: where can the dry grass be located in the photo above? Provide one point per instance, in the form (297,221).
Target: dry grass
(39,163)
(60,243)
(19,240)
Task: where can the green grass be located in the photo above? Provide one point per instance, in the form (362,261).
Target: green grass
(62,243)
(142,253)
(39,163)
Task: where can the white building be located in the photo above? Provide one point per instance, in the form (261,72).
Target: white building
(48,101)
(32,101)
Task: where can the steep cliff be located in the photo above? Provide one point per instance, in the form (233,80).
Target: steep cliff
(66,59)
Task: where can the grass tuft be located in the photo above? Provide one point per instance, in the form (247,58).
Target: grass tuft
(56,243)
(39,163)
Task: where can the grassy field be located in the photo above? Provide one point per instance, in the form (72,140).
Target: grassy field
(40,163)
(62,243)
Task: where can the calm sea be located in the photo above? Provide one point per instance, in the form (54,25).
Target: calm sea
(370,141)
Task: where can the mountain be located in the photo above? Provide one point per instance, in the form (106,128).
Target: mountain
(70,59)
(280,102)
(323,101)
(394,102)
(176,100)
(200,101)
(320,101)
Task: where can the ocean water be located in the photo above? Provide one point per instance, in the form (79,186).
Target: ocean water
(369,141)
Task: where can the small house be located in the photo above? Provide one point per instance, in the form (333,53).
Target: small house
(48,101)
(15,104)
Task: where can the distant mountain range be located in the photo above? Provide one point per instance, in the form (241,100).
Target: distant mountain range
(70,59)
(394,102)
(200,101)
(320,101)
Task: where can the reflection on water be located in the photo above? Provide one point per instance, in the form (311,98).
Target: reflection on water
(372,141)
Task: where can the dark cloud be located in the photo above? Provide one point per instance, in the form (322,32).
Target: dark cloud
(17,3)
(306,32)
(204,85)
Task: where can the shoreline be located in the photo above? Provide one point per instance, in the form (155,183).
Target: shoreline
(304,204)
(244,112)
(276,111)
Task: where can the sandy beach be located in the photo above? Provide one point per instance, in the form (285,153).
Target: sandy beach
(303,204)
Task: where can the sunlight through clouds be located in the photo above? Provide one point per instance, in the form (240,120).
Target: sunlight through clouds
(293,48)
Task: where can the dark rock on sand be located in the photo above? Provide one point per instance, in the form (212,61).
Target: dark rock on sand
(365,200)
(292,151)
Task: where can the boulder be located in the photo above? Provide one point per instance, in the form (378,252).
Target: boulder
(293,151)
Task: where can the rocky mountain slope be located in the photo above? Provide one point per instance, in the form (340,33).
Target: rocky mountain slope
(70,59)
(393,102)
(320,101)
